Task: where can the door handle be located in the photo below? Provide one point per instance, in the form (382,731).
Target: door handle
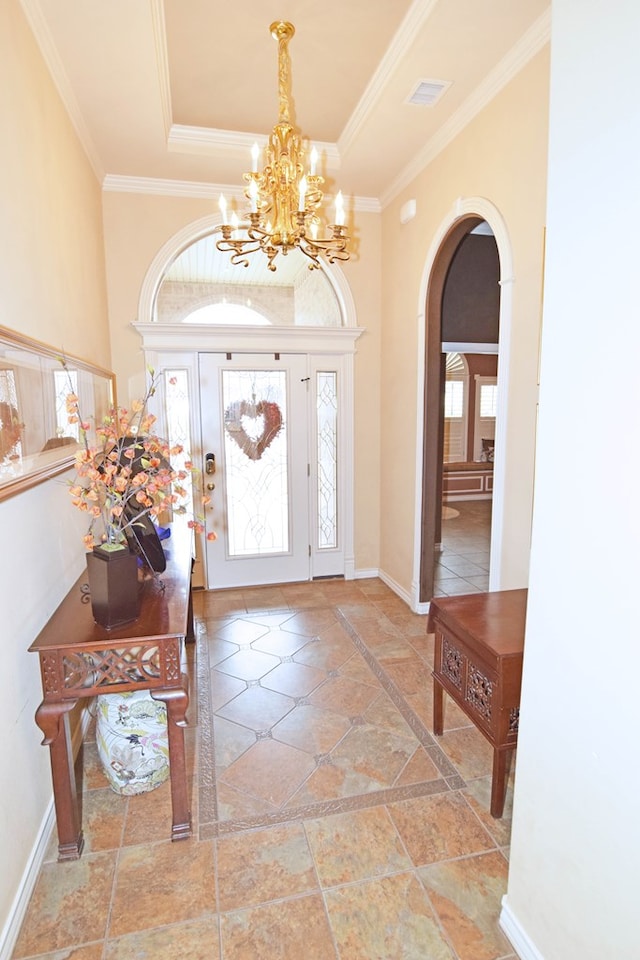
(210,463)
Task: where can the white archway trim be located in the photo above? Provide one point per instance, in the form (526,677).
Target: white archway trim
(163,343)
(195,231)
(467,207)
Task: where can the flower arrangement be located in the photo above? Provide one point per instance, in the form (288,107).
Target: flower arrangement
(127,475)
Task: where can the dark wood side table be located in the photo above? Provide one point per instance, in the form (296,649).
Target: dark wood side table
(478,662)
(80,659)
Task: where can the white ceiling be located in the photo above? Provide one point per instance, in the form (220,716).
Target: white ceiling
(169,96)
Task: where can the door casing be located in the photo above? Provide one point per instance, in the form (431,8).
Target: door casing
(178,345)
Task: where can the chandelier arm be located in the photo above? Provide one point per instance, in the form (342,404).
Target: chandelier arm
(239,250)
(256,233)
(309,250)
(334,248)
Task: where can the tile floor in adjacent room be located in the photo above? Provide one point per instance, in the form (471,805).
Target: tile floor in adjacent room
(328,821)
(463,563)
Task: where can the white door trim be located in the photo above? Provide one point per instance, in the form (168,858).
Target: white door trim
(219,338)
(161,342)
(167,345)
(463,207)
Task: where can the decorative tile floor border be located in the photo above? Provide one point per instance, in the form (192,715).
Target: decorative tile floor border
(209,827)
(421,733)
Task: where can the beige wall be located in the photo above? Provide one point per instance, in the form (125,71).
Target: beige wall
(51,253)
(53,289)
(575,848)
(138,226)
(500,156)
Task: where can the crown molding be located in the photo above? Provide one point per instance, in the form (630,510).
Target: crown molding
(162,60)
(365,204)
(511,64)
(208,141)
(418,13)
(49,52)
(114,183)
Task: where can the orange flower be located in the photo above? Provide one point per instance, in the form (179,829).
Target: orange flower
(123,471)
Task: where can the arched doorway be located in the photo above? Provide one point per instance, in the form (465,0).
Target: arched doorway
(466,215)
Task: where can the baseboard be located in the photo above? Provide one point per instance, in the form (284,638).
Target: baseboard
(16,915)
(400,591)
(11,930)
(421,608)
(519,939)
(366,574)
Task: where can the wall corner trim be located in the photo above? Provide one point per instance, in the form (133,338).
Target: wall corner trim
(515,933)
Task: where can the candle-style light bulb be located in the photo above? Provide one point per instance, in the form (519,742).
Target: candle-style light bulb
(222,203)
(255,153)
(313,160)
(235,223)
(302,194)
(339,210)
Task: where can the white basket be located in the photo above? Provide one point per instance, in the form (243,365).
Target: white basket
(133,746)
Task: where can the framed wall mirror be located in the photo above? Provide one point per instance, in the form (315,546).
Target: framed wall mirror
(36,440)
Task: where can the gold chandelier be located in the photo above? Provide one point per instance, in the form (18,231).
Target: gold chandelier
(284,198)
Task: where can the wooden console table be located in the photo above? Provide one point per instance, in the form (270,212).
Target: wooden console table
(478,662)
(80,659)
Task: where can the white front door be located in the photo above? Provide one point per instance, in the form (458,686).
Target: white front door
(255,428)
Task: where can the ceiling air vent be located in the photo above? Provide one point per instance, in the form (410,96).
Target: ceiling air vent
(427,92)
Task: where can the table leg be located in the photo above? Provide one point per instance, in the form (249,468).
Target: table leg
(438,708)
(53,720)
(177,702)
(501,762)
(191,630)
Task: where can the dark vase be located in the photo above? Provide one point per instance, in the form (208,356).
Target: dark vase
(113,584)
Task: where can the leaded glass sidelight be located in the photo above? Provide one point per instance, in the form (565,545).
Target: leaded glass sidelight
(327,431)
(176,387)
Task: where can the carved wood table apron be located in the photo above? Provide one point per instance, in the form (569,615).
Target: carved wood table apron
(478,662)
(80,659)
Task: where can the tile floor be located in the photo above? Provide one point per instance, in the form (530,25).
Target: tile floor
(463,564)
(328,821)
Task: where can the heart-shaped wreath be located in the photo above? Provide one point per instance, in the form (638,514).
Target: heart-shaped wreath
(242,423)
